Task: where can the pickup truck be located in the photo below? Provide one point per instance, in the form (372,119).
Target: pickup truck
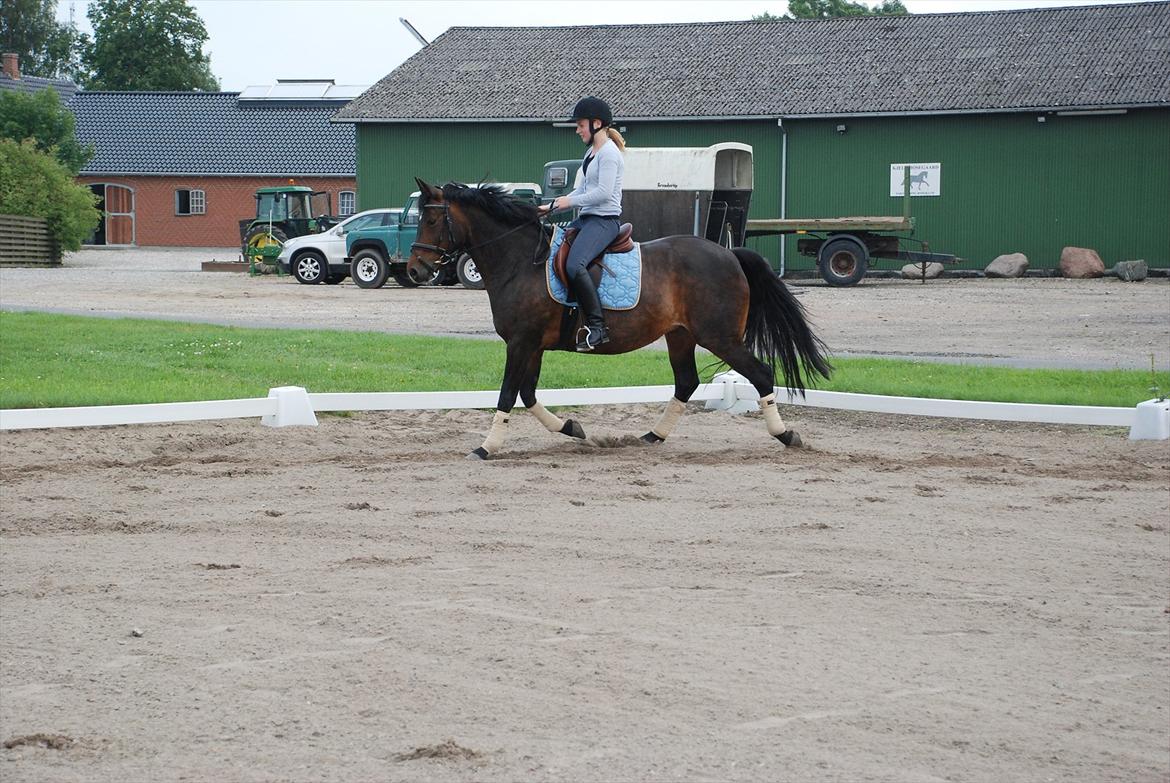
(378,253)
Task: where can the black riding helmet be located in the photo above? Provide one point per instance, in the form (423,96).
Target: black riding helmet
(590,108)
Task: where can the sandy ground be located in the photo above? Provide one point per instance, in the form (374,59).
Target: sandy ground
(905,600)
(1030,322)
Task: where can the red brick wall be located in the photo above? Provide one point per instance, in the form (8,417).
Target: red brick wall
(229,200)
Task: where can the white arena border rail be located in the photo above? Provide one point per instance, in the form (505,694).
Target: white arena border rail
(292,405)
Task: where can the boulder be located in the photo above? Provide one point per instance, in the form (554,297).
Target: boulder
(914,271)
(1081,262)
(1010,265)
(1131,271)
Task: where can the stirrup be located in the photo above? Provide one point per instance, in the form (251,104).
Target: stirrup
(589,341)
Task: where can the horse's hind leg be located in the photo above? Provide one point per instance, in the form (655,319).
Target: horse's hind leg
(551,422)
(681,345)
(740,359)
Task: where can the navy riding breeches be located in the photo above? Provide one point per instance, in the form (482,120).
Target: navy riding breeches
(595,235)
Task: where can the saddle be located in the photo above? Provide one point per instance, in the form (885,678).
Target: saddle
(623,243)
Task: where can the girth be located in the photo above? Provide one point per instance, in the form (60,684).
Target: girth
(623,243)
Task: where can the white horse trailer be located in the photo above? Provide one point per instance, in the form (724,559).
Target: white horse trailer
(704,191)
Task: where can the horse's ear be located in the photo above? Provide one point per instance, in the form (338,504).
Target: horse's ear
(424,188)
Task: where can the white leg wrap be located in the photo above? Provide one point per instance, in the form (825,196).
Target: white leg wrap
(495,438)
(772,415)
(669,418)
(550,422)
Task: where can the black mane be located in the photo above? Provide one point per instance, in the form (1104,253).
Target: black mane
(492,200)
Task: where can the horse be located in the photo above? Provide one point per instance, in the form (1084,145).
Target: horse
(694,291)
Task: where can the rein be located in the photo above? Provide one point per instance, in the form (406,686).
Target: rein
(449,254)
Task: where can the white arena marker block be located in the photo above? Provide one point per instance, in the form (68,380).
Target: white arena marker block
(293,408)
(1151,421)
(733,401)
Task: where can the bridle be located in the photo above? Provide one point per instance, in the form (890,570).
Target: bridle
(446,255)
(449,254)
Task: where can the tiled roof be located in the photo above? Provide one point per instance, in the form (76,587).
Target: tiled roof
(1079,57)
(209,133)
(65,88)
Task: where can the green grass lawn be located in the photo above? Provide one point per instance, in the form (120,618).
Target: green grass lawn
(55,360)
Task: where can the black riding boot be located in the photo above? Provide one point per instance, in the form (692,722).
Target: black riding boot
(593,333)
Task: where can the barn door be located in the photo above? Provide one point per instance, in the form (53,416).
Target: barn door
(119,215)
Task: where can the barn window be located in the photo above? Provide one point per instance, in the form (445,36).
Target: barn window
(346,203)
(190,202)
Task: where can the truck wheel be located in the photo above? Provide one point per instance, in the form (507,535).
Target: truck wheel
(469,276)
(368,269)
(310,268)
(842,261)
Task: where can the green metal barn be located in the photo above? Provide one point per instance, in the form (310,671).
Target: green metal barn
(1037,129)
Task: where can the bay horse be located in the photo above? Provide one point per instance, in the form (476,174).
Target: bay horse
(694,291)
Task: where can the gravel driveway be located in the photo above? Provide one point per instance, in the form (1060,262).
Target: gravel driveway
(1036,322)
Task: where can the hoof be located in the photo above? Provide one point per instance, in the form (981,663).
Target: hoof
(651,438)
(478,454)
(573,429)
(790,438)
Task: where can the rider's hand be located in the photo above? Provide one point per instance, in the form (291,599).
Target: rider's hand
(557,204)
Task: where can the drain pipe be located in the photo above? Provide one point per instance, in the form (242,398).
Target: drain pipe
(783,186)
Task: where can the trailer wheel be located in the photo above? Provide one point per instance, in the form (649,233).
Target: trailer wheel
(842,261)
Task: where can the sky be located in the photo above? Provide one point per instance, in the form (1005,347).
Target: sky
(256,42)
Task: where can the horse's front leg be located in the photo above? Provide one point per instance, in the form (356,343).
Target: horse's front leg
(520,355)
(550,421)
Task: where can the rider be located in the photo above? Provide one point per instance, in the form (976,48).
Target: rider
(600,200)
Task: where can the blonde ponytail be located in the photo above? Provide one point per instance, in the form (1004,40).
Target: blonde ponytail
(616,138)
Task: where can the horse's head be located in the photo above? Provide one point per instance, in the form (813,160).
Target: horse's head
(440,234)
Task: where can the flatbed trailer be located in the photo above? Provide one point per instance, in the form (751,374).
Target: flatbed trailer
(844,246)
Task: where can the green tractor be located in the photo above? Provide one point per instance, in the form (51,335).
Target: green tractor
(282,213)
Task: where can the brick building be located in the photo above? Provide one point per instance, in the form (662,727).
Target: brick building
(181,168)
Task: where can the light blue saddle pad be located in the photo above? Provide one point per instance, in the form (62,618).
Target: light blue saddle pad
(621,277)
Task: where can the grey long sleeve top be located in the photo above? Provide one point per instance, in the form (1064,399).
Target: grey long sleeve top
(600,192)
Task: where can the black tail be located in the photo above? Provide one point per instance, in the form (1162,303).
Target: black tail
(777,330)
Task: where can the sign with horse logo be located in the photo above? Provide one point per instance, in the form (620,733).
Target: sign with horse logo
(925,179)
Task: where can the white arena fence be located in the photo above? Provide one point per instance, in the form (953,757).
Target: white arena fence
(292,405)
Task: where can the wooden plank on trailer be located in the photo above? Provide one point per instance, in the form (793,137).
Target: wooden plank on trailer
(863,223)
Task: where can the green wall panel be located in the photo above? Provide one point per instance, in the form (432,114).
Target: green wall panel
(1009,183)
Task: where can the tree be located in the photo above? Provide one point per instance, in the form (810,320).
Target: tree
(147,45)
(46,47)
(829,9)
(39,116)
(767,17)
(37,185)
